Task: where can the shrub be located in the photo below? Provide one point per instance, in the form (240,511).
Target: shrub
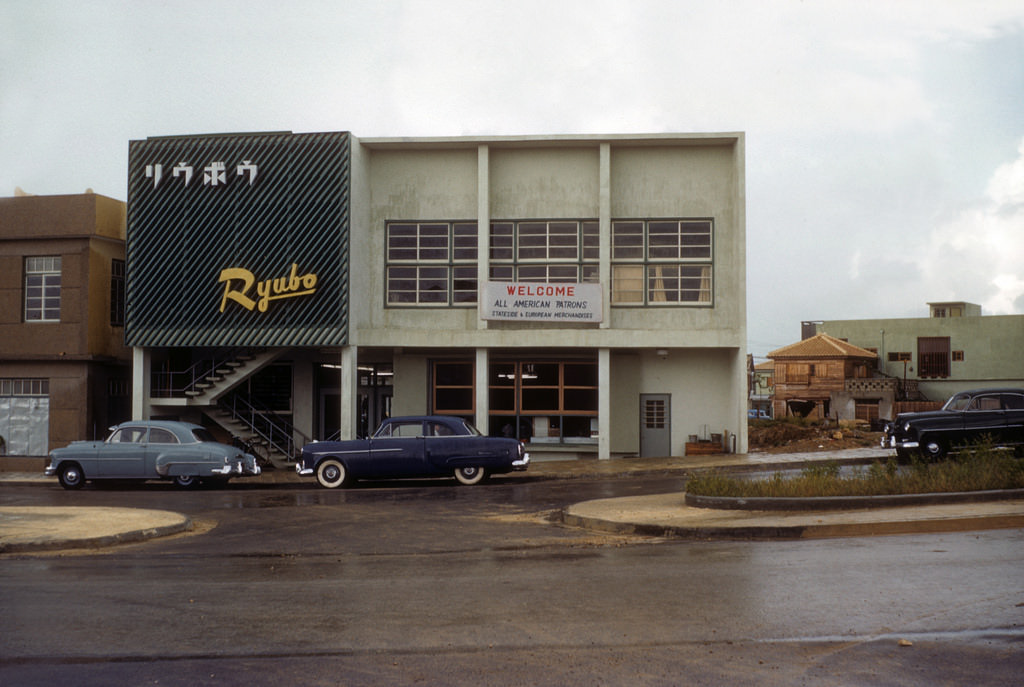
(980,468)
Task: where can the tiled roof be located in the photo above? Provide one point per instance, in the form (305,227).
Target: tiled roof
(821,346)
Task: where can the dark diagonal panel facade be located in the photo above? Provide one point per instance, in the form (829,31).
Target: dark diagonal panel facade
(238,240)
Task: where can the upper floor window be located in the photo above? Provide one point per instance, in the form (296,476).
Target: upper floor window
(933,356)
(117,293)
(662,262)
(42,289)
(550,251)
(431,263)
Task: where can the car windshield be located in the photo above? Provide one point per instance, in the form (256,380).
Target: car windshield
(203,435)
(471,429)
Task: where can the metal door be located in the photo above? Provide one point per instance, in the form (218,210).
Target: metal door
(655,425)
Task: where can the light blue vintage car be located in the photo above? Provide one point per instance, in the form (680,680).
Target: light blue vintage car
(178,451)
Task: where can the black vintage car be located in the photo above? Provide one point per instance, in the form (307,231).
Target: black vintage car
(969,417)
(420,446)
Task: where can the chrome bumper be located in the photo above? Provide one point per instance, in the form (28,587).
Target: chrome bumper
(304,471)
(890,442)
(521,464)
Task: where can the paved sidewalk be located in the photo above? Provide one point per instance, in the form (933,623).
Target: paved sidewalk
(30,470)
(666,515)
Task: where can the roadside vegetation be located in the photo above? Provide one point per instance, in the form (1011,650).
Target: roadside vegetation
(801,435)
(979,469)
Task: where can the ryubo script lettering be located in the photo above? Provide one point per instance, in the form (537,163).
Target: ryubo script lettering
(238,286)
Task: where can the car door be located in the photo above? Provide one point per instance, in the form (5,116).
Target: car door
(445,450)
(160,440)
(124,454)
(984,418)
(398,452)
(1013,405)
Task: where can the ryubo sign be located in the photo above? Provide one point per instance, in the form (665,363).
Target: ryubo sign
(238,284)
(529,301)
(214,174)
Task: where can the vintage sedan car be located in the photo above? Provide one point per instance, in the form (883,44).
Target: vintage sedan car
(969,417)
(420,446)
(178,451)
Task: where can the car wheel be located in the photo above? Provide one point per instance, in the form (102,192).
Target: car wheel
(71,476)
(470,475)
(331,473)
(186,481)
(933,449)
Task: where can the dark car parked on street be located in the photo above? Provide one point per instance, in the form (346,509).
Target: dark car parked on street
(969,417)
(178,451)
(418,446)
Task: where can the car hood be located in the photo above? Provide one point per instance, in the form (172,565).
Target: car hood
(924,415)
(79,446)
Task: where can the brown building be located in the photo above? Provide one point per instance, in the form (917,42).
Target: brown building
(827,377)
(64,369)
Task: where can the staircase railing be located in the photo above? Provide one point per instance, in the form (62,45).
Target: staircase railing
(179,383)
(275,432)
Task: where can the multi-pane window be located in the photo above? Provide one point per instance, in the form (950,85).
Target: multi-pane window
(453,388)
(24,387)
(556,251)
(42,289)
(654,261)
(662,262)
(117,293)
(431,263)
(543,400)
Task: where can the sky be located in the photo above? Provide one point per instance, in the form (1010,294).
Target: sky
(884,138)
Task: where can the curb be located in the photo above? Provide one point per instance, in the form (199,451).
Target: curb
(771,503)
(667,516)
(179,523)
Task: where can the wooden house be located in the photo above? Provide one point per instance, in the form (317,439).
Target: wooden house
(823,376)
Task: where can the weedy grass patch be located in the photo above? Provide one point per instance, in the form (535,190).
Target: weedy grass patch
(979,468)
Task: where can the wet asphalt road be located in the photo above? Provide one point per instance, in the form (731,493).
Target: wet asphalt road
(430,583)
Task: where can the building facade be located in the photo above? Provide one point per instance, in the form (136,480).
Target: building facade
(64,369)
(953,349)
(583,293)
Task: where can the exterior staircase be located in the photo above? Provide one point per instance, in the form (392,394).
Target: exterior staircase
(212,379)
(265,434)
(208,385)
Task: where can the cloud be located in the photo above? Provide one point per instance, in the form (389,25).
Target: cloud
(976,254)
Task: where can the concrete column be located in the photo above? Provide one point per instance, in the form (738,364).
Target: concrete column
(349,386)
(605,230)
(303,401)
(141,383)
(483,227)
(483,409)
(604,403)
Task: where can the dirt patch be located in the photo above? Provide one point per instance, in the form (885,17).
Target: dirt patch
(788,437)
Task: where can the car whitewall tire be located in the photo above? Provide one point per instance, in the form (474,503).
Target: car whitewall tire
(470,475)
(331,473)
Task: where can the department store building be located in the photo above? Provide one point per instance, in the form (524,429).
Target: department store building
(583,293)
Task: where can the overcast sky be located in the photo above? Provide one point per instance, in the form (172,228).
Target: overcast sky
(885,139)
